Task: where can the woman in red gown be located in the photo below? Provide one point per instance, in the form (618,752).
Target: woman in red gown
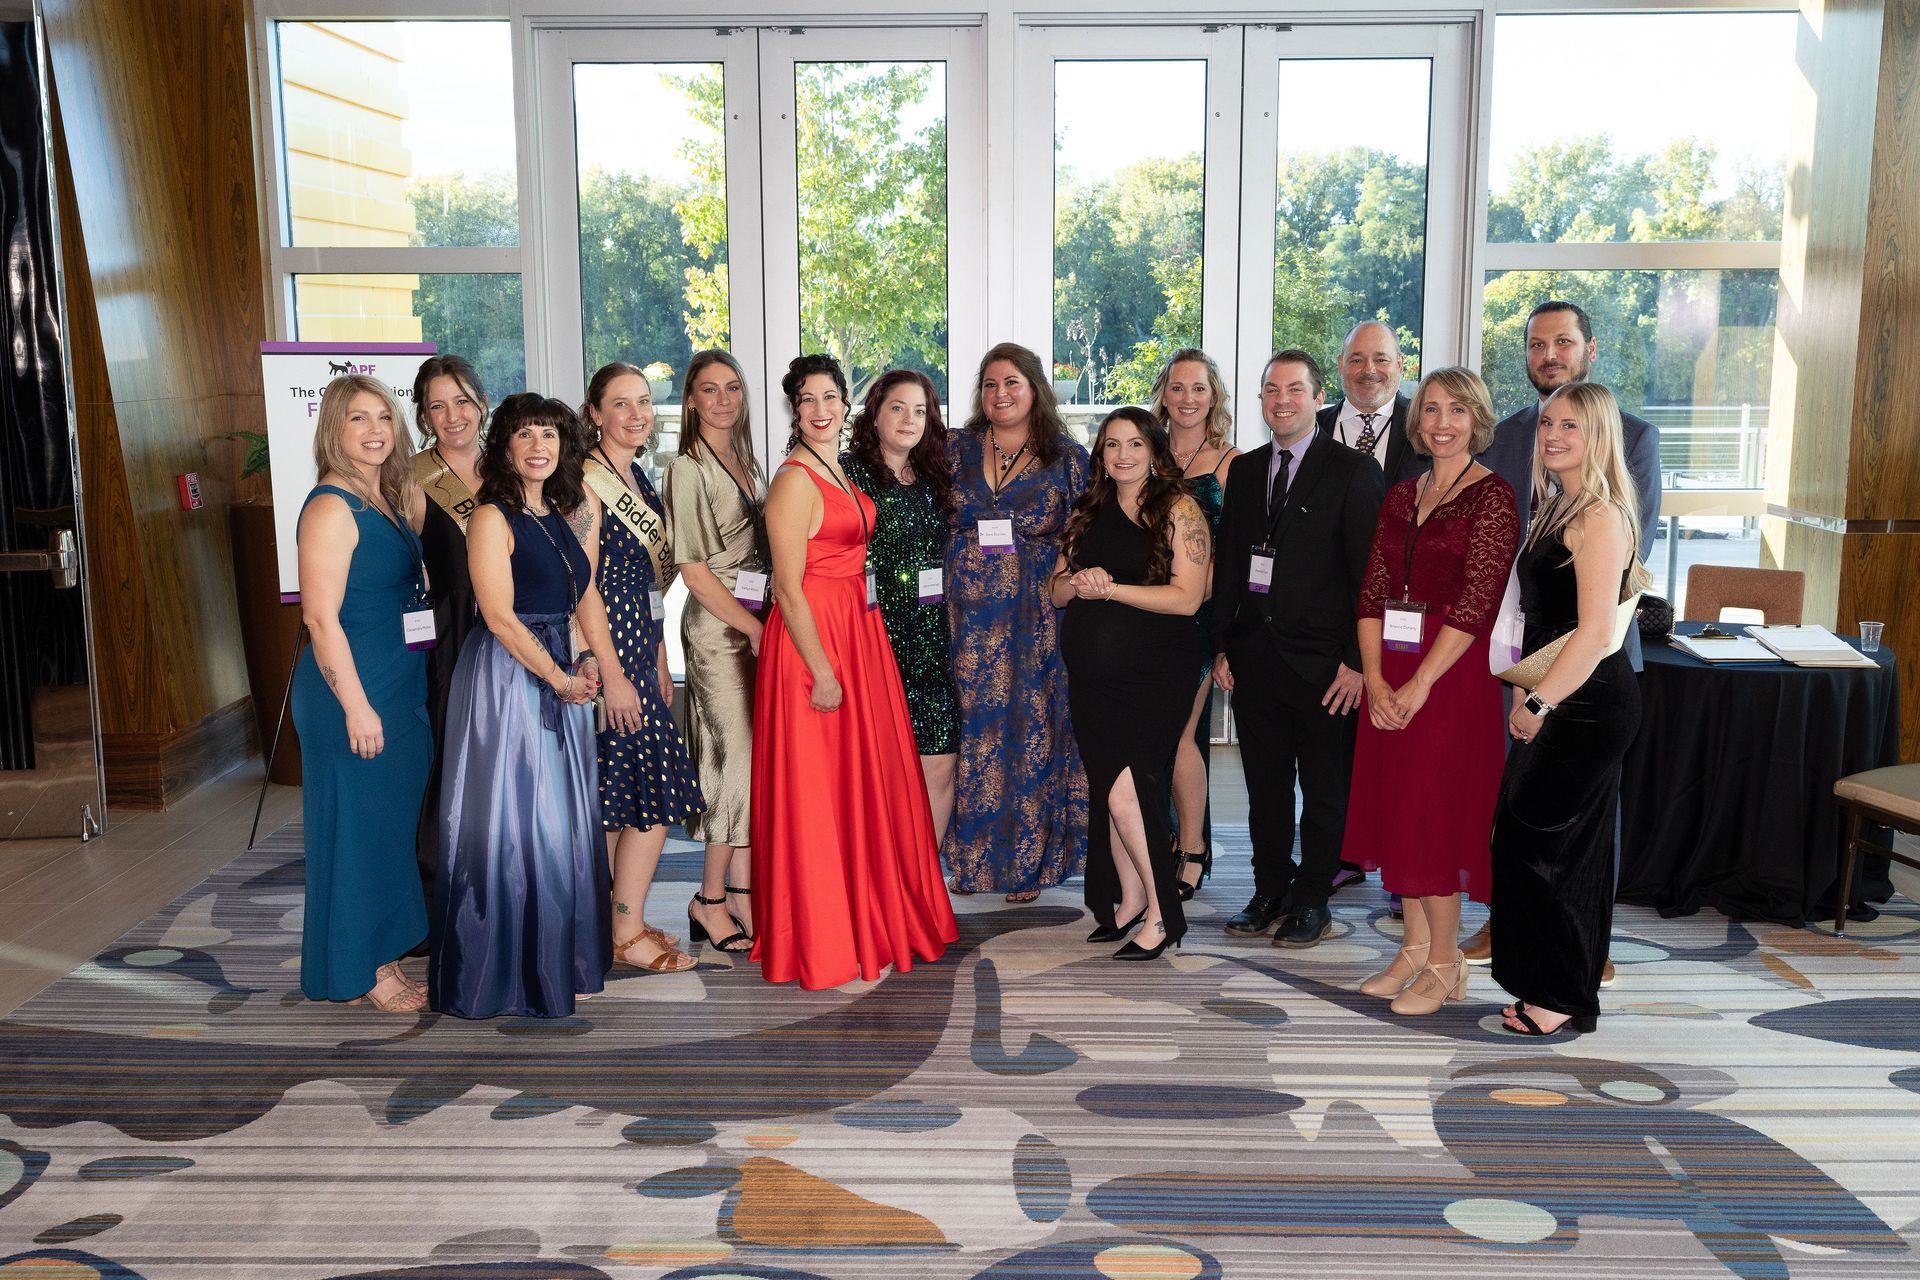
(1427,761)
(846,872)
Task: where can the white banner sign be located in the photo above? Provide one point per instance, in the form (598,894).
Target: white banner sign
(294,374)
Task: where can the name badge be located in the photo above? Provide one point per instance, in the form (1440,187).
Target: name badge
(657,603)
(933,585)
(873,591)
(417,624)
(1260,570)
(750,588)
(996,536)
(1401,627)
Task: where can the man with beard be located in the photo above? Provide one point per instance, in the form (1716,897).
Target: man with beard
(1560,350)
(1371,415)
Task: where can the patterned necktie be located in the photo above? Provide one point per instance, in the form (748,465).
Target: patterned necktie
(1367,437)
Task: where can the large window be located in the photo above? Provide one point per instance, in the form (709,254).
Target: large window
(1660,215)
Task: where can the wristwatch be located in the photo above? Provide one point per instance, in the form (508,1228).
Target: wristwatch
(1538,705)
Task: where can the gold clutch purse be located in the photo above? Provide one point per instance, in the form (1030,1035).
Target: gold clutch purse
(1530,670)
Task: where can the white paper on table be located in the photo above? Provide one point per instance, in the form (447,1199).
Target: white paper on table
(1811,645)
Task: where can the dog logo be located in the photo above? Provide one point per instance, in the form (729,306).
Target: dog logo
(336,368)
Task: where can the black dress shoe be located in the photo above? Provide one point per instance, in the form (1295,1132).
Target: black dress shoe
(1256,917)
(1115,932)
(1304,926)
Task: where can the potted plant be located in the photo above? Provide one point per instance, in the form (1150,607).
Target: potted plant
(659,377)
(268,629)
(1066,381)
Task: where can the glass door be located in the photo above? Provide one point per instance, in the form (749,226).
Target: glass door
(1354,192)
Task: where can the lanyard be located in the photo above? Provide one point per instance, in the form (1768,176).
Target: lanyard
(413,546)
(1006,465)
(1414,526)
(865,534)
(600,456)
(573,587)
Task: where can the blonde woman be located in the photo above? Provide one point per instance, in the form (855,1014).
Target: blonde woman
(359,702)
(716,494)
(1553,829)
(1190,400)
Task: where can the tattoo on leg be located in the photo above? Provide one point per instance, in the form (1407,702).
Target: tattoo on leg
(621,907)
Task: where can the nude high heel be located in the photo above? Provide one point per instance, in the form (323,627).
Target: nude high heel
(1385,983)
(1423,997)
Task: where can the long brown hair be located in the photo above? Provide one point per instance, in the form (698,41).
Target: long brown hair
(396,473)
(1161,492)
(928,457)
(464,376)
(741,437)
(565,489)
(597,391)
(1044,427)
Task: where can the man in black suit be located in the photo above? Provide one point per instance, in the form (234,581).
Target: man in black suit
(1295,531)
(1560,350)
(1371,415)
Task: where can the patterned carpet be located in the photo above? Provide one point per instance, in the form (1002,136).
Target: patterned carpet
(1025,1108)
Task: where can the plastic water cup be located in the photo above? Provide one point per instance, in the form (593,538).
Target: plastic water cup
(1870,636)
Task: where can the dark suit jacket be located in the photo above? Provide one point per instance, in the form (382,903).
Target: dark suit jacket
(1322,536)
(1402,459)
(1510,456)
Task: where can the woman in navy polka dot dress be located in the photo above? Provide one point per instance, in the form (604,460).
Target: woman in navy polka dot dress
(647,781)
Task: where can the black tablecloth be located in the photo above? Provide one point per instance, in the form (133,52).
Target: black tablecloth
(1727,794)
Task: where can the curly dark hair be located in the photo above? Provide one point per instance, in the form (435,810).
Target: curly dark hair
(1159,496)
(565,489)
(802,368)
(928,458)
(461,370)
(1044,427)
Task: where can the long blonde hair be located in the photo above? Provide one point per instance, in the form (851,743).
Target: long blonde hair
(1219,416)
(740,439)
(329,455)
(1604,478)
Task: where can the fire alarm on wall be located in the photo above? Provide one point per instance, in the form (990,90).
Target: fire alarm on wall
(189,483)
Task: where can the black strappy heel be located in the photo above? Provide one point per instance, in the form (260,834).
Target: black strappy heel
(1186,858)
(697,932)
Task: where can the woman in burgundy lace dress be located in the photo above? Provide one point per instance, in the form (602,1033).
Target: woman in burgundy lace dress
(1426,766)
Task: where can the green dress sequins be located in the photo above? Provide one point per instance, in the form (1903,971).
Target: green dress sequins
(909,535)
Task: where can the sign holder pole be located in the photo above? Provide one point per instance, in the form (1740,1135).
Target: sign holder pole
(279,731)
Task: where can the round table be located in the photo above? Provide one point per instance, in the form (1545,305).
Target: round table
(1726,796)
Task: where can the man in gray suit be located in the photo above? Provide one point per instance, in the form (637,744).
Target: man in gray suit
(1560,350)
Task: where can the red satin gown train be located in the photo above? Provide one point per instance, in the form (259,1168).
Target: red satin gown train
(846,874)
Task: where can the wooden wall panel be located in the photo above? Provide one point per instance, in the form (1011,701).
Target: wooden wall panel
(158,177)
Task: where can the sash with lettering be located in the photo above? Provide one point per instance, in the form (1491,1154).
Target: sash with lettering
(632,510)
(447,490)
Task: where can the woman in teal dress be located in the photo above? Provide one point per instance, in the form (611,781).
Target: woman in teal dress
(1020,793)
(897,455)
(1190,399)
(360,703)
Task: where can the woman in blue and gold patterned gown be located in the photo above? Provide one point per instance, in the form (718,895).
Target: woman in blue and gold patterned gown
(898,456)
(646,777)
(1190,399)
(1020,793)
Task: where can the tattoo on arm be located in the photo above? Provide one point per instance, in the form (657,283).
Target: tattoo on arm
(333,681)
(1193,533)
(581,520)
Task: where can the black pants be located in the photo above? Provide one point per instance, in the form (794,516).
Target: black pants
(1286,734)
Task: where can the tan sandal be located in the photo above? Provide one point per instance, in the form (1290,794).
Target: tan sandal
(1390,981)
(1023,895)
(392,969)
(664,938)
(669,960)
(408,999)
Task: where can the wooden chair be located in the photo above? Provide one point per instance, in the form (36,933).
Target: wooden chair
(1777,593)
(1889,796)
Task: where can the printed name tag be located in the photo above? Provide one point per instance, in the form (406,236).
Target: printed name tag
(418,626)
(1260,570)
(873,591)
(657,602)
(996,536)
(1401,626)
(933,585)
(750,588)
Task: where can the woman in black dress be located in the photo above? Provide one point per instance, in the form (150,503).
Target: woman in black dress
(646,778)
(450,410)
(1553,830)
(1133,568)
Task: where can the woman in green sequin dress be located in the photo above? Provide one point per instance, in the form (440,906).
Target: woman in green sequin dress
(898,456)
(1190,399)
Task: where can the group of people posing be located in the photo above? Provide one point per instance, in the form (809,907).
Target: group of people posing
(991,649)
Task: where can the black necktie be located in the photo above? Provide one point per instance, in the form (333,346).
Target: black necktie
(1367,438)
(1278,494)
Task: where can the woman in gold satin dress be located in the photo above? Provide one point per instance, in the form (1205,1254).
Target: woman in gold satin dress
(715,491)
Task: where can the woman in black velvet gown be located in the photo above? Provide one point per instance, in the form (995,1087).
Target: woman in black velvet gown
(1553,829)
(1134,564)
